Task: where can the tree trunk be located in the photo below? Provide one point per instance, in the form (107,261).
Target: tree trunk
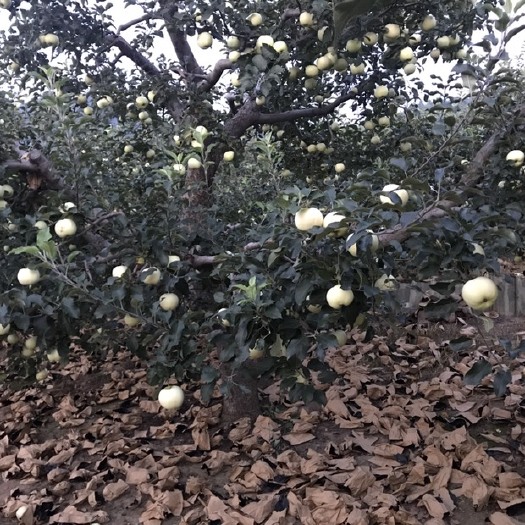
(242,397)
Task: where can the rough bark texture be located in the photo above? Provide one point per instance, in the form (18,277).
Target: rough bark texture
(242,399)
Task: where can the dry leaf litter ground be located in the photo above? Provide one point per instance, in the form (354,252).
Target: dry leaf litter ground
(401,440)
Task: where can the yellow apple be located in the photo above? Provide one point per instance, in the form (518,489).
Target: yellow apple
(130,320)
(428,23)
(81,99)
(53,356)
(88,111)
(128,148)
(173,259)
(376,139)
(306,19)
(233,42)
(384,121)
(324,63)
(339,167)
(336,297)
(409,69)
(41,375)
(357,69)
(31,342)
(65,228)
(4,329)
(515,157)
(171,397)
(194,164)
(443,42)
(310,83)
(179,169)
(370,38)
(311,71)
(204,40)
(353,46)
(386,283)
(150,275)
(141,102)
(331,219)
(255,19)
(5,4)
(307,218)
(27,276)
(229,156)
(341,64)
(169,301)
(143,115)
(395,188)
(50,40)
(374,245)
(479,293)
(392,31)
(406,54)
(280,46)
(233,56)
(119,271)
(381,92)
(264,40)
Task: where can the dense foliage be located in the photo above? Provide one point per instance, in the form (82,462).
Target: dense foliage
(103,128)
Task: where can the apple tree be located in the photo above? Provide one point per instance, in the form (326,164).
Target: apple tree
(223,221)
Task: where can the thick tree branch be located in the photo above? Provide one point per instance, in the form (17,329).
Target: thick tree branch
(135,21)
(214,76)
(402,232)
(294,114)
(37,168)
(129,51)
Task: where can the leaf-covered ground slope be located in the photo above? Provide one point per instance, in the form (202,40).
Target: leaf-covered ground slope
(401,440)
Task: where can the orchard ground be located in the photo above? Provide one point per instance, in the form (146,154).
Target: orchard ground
(400,436)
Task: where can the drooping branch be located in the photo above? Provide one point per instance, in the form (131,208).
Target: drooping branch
(295,114)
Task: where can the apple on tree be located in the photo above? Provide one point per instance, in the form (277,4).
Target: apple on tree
(27,276)
(515,158)
(336,297)
(169,301)
(479,293)
(307,218)
(171,397)
(65,228)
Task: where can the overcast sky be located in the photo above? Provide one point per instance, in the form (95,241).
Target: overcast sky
(121,14)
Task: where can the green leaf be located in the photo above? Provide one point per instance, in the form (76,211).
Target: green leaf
(260,62)
(476,374)
(43,236)
(49,249)
(501,379)
(346,10)
(460,344)
(68,304)
(30,250)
